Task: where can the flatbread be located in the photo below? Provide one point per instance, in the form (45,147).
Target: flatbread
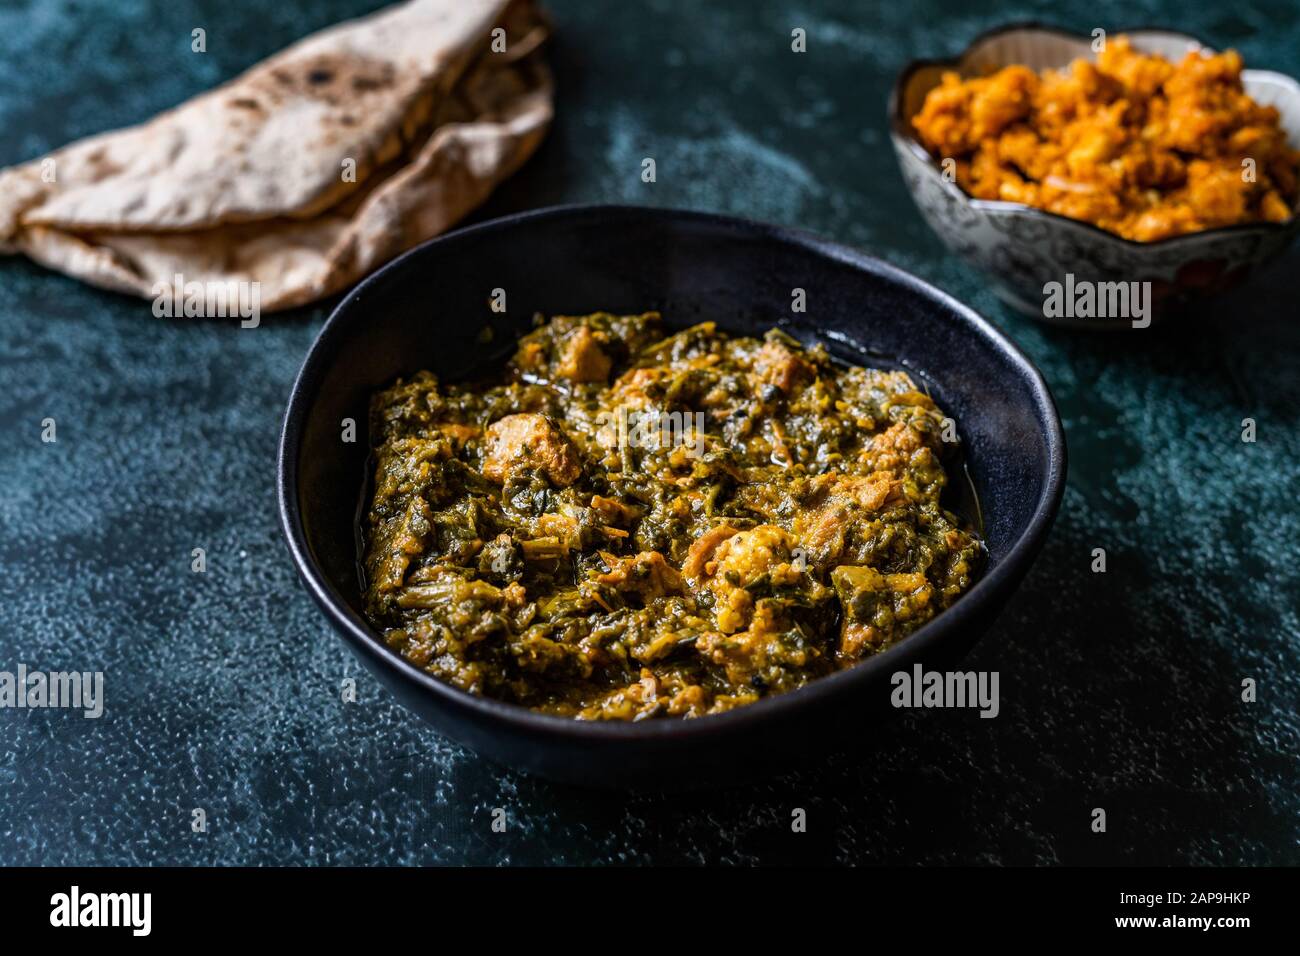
(306,172)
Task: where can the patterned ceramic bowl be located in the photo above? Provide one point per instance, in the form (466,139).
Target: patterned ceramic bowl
(1023,249)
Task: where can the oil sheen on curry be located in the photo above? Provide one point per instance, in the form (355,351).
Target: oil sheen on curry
(627,524)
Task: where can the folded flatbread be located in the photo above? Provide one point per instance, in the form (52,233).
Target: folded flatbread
(306,172)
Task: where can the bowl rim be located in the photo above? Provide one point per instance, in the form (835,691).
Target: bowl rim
(900,129)
(368,644)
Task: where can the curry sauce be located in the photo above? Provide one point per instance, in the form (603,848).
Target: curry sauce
(626,524)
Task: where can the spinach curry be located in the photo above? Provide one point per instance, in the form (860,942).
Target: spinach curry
(624,525)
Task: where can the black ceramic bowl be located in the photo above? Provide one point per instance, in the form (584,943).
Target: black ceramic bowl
(429,308)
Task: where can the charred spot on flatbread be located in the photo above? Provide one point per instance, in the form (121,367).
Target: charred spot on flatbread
(336,79)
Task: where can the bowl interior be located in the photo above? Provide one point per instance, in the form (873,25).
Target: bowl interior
(431,309)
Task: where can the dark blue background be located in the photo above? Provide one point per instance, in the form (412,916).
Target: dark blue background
(1119,690)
